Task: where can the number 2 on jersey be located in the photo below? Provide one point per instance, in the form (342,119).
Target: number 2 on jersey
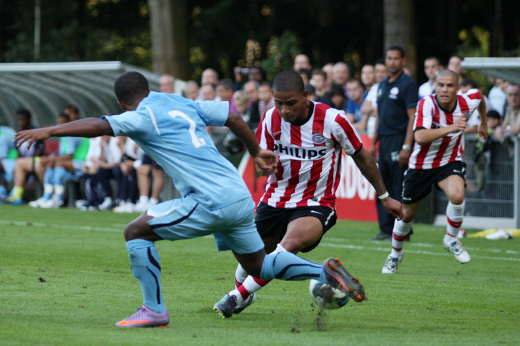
(197,142)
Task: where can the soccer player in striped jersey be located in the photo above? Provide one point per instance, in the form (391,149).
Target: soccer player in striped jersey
(436,159)
(298,206)
(215,200)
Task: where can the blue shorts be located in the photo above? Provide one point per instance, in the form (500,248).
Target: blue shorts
(185,218)
(7,175)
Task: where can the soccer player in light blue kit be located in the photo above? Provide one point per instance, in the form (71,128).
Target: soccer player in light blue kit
(215,200)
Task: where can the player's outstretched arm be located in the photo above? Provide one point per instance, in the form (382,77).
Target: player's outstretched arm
(89,127)
(366,164)
(266,160)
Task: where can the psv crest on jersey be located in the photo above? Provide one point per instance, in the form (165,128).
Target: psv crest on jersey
(318,138)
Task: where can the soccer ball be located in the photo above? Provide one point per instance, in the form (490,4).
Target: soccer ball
(327,296)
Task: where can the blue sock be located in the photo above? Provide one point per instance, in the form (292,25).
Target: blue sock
(48,182)
(144,260)
(288,266)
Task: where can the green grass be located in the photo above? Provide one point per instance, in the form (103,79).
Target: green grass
(65,280)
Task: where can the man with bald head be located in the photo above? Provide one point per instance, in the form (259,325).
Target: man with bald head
(436,160)
(301,61)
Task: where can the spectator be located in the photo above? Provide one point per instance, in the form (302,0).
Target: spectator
(225,92)
(319,81)
(108,169)
(328,68)
(301,61)
(208,92)
(357,95)
(340,75)
(311,92)
(192,90)
(511,123)
(368,76)
(251,90)
(28,161)
(67,165)
(90,168)
(266,97)
(336,97)
(454,65)
(148,198)
(72,112)
(126,175)
(258,74)
(305,74)
(167,84)
(396,102)
(369,106)
(209,76)
(432,65)
(232,143)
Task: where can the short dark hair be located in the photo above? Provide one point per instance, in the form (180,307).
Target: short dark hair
(380,61)
(493,114)
(468,81)
(71,107)
(64,115)
(24,113)
(431,57)
(227,83)
(355,80)
(131,86)
(288,81)
(397,48)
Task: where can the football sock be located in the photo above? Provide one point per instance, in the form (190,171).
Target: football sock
(454,214)
(287,266)
(252,284)
(17,192)
(146,267)
(399,233)
(59,190)
(48,183)
(240,276)
(47,191)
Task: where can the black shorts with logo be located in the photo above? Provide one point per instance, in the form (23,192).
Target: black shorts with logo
(418,183)
(272,222)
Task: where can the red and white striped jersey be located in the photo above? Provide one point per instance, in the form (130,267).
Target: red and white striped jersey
(310,154)
(429,115)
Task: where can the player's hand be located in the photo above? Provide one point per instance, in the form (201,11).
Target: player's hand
(31,136)
(393,207)
(459,125)
(404,156)
(266,162)
(483,130)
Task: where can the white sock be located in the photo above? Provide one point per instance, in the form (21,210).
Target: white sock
(153,201)
(399,233)
(143,200)
(455,215)
(240,275)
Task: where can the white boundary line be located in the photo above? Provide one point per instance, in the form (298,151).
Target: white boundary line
(387,249)
(344,246)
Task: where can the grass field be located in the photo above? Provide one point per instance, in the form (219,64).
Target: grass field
(65,280)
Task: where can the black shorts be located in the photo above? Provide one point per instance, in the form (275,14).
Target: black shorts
(147,160)
(418,183)
(272,222)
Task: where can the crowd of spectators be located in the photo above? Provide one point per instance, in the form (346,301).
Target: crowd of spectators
(114,174)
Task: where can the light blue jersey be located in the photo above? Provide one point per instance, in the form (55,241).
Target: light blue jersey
(172,131)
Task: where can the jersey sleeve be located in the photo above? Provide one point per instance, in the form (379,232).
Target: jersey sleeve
(424,114)
(263,135)
(215,113)
(128,124)
(473,99)
(345,134)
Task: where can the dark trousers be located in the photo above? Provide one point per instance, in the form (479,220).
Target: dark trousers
(393,176)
